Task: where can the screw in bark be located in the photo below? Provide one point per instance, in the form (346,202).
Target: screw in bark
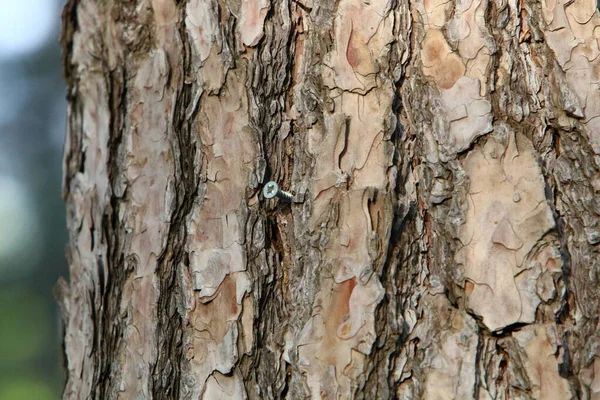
(271,189)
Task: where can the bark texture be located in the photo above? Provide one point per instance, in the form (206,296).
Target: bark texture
(443,238)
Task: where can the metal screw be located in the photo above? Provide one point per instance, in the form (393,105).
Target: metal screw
(271,190)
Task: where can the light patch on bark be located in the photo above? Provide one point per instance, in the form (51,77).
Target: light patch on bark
(212,56)
(508,214)
(224,387)
(202,26)
(149,169)
(338,336)
(78,335)
(572,30)
(351,201)
(461,74)
(252,21)
(540,347)
(468,113)
(215,245)
(591,377)
(452,366)
(363,32)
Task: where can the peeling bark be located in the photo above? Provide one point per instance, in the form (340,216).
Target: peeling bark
(442,240)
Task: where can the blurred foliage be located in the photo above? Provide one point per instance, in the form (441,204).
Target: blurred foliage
(32,125)
(24,337)
(23,388)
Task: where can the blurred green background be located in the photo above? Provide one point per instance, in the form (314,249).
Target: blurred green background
(32,216)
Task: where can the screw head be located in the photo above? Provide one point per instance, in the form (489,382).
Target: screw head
(270,190)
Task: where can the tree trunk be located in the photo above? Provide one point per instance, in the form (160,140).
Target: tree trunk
(442,242)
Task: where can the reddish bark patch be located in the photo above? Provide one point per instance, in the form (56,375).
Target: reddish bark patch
(439,61)
(469,287)
(214,316)
(353,52)
(335,315)
(434,51)
(449,72)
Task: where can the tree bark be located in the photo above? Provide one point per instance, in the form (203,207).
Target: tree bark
(442,242)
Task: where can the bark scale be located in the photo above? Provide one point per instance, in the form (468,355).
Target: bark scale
(443,238)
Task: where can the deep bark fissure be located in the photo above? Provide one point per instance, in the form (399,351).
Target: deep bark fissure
(551,193)
(113,236)
(167,374)
(73,160)
(391,335)
(267,85)
(479,360)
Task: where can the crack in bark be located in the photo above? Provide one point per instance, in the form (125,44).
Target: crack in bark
(268,85)
(113,236)
(166,380)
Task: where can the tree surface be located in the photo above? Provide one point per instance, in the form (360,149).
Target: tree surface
(442,241)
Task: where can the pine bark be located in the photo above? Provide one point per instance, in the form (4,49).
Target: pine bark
(442,242)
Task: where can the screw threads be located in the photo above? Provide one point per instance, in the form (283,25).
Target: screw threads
(285,195)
